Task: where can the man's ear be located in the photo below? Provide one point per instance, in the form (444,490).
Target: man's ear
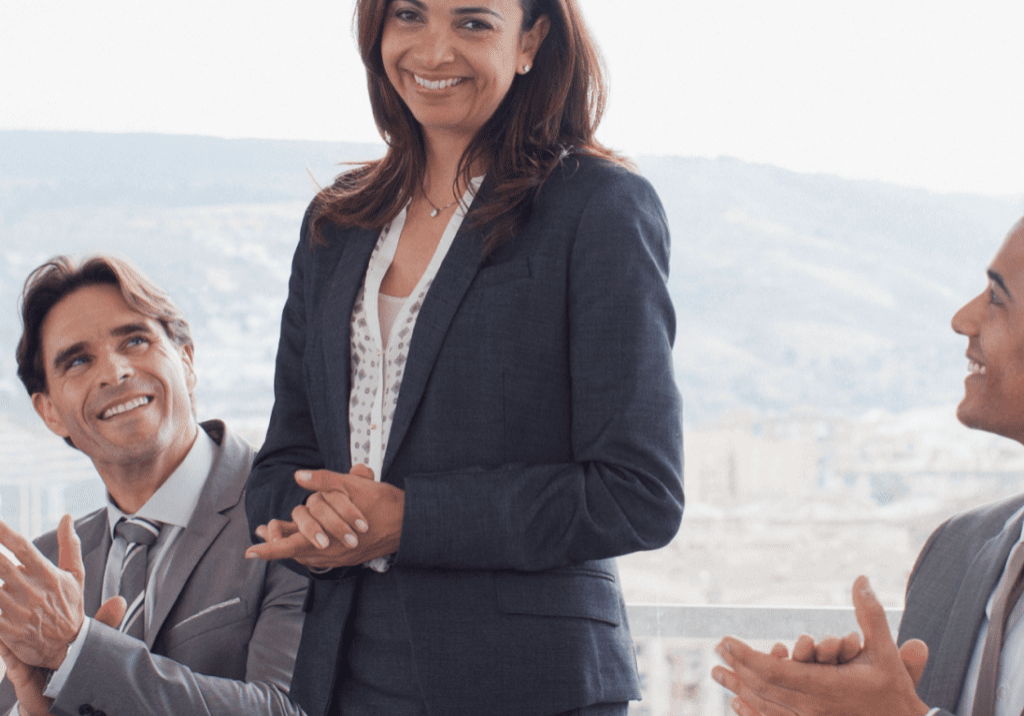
(49,413)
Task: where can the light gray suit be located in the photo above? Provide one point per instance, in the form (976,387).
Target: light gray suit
(225,629)
(948,590)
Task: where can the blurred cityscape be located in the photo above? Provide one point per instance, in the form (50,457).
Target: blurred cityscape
(813,352)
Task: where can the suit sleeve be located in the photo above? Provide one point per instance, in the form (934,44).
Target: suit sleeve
(118,675)
(623,491)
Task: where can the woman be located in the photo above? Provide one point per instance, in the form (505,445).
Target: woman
(480,322)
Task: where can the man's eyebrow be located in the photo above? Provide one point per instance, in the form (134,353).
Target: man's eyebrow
(64,355)
(129,328)
(994,276)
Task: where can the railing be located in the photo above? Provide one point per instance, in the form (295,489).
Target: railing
(761,623)
(675,648)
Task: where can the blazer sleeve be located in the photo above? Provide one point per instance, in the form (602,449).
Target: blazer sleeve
(623,490)
(118,675)
(291,441)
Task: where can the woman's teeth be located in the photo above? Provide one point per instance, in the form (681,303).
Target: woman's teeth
(437,84)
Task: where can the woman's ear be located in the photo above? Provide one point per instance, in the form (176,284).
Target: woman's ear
(531,40)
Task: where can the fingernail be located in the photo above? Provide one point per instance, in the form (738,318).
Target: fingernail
(866,590)
(249,554)
(321,539)
(303,475)
(720,650)
(362,526)
(716,675)
(351,540)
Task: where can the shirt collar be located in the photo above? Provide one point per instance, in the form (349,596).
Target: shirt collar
(174,501)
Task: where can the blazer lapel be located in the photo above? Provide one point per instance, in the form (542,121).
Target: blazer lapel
(222,490)
(439,307)
(343,287)
(961,633)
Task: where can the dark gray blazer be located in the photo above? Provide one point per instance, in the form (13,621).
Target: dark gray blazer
(954,576)
(537,435)
(226,629)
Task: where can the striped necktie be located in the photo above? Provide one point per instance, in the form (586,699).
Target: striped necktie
(139,533)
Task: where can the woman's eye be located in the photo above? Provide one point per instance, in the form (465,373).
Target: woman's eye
(476,25)
(993,296)
(406,15)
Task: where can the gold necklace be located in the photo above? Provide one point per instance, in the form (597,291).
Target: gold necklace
(436,209)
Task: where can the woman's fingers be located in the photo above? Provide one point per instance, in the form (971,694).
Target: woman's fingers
(310,528)
(331,520)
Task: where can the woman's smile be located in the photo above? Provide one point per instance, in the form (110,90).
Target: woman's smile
(437,84)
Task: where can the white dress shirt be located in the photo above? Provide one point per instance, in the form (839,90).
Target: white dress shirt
(1010,684)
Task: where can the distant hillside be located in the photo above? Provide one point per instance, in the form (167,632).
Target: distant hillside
(791,290)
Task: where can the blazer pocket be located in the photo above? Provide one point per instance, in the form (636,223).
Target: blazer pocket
(582,593)
(502,273)
(213,617)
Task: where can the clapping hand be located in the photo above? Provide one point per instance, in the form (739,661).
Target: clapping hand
(828,679)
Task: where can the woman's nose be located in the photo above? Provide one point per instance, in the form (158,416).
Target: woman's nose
(435,46)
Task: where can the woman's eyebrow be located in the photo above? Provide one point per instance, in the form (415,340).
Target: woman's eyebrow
(476,10)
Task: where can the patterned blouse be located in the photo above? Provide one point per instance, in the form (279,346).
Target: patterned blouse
(381,337)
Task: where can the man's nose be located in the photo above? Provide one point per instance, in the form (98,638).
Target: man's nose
(115,368)
(965,321)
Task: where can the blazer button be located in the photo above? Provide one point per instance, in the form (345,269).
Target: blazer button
(86,710)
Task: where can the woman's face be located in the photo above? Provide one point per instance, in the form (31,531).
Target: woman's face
(453,61)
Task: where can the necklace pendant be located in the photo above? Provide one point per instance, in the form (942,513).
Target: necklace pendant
(434,213)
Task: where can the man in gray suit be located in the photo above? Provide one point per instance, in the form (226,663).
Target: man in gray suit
(967,575)
(182,623)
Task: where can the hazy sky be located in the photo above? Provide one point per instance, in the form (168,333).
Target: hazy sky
(915,92)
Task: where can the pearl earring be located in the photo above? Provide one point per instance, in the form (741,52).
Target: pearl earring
(526,68)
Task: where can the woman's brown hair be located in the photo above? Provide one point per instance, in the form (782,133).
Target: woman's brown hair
(547,114)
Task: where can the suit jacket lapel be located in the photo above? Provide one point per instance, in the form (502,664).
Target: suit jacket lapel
(439,307)
(95,537)
(222,491)
(334,320)
(961,633)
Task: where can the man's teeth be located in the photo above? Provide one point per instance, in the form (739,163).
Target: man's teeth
(975,368)
(438,84)
(124,407)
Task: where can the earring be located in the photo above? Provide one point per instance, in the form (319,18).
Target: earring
(526,68)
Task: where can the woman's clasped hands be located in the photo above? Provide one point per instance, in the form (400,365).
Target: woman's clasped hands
(349,519)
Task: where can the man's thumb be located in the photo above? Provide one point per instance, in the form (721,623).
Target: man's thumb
(112,612)
(914,655)
(870,615)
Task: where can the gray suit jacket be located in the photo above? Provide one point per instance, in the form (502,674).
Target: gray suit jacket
(948,589)
(226,629)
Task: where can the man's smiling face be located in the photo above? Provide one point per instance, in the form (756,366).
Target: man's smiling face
(117,385)
(994,325)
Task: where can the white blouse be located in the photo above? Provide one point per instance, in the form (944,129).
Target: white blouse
(378,360)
